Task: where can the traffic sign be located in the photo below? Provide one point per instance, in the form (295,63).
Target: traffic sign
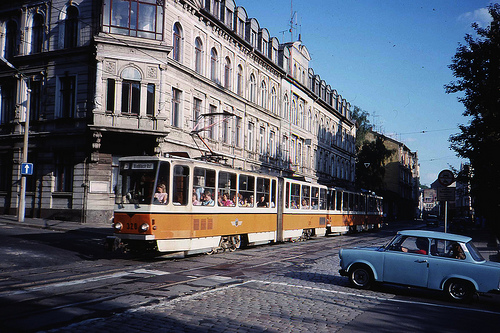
(446,194)
(446,178)
(26,169)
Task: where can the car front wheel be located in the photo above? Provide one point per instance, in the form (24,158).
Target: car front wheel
(459,290)
(361,276)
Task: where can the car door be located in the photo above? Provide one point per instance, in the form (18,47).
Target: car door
(406,263)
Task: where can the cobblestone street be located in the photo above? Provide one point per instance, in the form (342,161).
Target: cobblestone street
(312,298)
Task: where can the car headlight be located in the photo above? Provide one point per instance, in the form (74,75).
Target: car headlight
(117,226)
(144,227)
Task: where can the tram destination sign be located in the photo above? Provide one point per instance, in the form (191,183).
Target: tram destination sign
(143,166)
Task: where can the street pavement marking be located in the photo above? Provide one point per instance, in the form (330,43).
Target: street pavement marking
(83,281)
(344,293)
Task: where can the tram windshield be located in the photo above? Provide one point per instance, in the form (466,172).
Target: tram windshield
(136,183)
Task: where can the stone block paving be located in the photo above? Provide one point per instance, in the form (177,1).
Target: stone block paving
(310,297)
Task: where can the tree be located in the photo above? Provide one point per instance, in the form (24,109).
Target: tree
(476,65)
(363,125)
(370,165)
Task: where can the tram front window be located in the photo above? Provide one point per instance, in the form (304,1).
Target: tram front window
(137,183)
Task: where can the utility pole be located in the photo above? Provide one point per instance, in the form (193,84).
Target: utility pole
(21,209)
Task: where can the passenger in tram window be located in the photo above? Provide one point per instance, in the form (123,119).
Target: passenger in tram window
(226,202)
(250,202)
(262,202)
(208,201)
(240,201)
(195,200)
(161,197)
(305,205)
(293,205)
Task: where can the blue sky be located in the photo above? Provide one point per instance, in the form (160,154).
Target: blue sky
(388,57)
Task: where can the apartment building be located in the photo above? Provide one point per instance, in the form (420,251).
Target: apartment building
(103,79)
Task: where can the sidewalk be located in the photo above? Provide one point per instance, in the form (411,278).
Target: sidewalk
(57,225)
(486,243)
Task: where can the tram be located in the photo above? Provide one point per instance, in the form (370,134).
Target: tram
(178,204)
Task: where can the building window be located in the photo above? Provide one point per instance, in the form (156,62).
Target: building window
(239,81)
(176,107)
(274,101)
(253,89)
(262,141)
(67,97)
(110,95)
(150,105)
(272,144)
(37,34)
(131,97)
(138,18)
(226,130)
(63,173)
(7,100)
(237,134)
(196,110)
(227,73)
(250,136)
(177,42)
(213,65)
(35,99)
(198,56)
(263,94)
(286,107)
(212,130)
(11,39)
(71,27)
(229,18)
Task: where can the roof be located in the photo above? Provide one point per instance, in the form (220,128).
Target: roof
(435,234)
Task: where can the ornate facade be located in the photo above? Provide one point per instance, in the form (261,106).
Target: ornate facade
(113,78)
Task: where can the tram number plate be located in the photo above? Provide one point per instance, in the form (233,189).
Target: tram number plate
(131,226)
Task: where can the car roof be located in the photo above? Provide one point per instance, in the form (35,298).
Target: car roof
(435,234)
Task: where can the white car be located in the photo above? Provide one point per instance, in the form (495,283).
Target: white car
(428,259)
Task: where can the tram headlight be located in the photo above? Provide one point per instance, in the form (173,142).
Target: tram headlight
(117,226)
(144,227)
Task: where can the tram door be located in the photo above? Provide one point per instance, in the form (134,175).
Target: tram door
(279,206)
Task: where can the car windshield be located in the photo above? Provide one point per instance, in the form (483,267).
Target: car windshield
(394,240)
(474,252)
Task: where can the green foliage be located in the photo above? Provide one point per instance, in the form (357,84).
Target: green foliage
(476,65)
(362,123)
(370,167)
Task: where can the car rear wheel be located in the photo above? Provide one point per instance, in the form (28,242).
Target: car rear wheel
(459,290)
(361,276)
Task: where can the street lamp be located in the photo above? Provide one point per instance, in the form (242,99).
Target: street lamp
(22,196)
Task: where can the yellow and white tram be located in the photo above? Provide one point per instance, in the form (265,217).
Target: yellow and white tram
(174,204)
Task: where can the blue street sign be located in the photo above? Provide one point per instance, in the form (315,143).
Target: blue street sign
(26,169)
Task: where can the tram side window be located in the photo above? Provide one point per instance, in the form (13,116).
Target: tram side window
(362,203)
(273,193)
(287,195)
(227,189)
(263,190)
(180,193)
(162,188)
(345,201)
(203,187)
(305,197)
(294,196)
(246,188)
(339,200)
(315,198)
(322,198)
(331,199)
(351,202)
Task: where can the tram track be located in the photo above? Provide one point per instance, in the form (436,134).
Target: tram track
(88,289)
